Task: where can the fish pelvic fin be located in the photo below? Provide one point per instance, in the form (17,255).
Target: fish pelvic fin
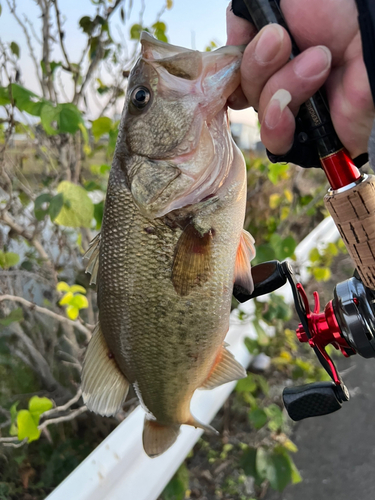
(200,425)
(104,387)
(192,261)
(225,369)
(242,270)
(92,256)
(157,438)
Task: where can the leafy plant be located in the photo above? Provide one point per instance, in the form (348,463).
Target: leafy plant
(73,299)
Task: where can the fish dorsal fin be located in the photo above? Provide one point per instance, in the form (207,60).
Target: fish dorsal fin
(157,438)
(192,261)
(242,270)
(225,369)
(92,256)
(104,387)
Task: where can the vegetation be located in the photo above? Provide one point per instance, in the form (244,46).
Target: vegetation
(55,155)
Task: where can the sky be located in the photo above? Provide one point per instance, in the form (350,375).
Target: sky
(193,24)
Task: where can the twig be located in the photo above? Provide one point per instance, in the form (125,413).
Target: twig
(12,8)
(47,312)
(5,217)
(61,36)
(64,407)
(73,414)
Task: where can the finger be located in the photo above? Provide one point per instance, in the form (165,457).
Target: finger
(265,55)
(301,77)
(278,124)
(239,31)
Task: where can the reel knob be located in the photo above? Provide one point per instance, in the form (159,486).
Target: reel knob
(313,400)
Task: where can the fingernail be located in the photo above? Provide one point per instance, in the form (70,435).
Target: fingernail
(269,43)
(276,106)
(313,62)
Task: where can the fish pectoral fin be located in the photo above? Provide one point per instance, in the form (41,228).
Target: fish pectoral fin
(92,256)
(242,270)
(192,260)
(157,438)
(225,369)
(104,387)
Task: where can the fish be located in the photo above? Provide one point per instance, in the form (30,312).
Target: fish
(172,243)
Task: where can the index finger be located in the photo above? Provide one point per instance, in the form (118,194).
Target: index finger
(239,31)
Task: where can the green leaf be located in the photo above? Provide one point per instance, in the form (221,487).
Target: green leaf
(69,118)
(22,97)
(135,31)
(94,44)
(8,259)
(62,287)
(263,338)
(72,312)
(258,418)
(79,301)
(321,273)
(177,486)
(112,140)
(1,9)
(4,96)
(277,170)
(248,464)
(42,198)
(37,406)
(101,126)
(48,116)
(15,49)
(55,206)
(159,31)
(13,412)
(283,248)
(275,415)
(278,471)
(66,299)
(265,252)
(27,427)
(86,24)
(81,210)
(246,384)
(77,289)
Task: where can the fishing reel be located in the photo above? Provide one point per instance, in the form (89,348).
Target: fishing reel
(347,322)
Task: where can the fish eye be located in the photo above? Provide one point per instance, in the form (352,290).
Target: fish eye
(140,97)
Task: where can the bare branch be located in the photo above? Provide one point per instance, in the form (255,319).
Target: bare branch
(73,414)
(5,217)
(61,37)
(64,407)
(12,8)
(47,312)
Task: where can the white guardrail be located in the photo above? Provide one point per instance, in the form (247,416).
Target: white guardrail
(119,469)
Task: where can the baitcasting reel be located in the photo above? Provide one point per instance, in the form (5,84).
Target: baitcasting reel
(347,322)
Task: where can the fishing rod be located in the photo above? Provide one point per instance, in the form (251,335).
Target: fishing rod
(348,321)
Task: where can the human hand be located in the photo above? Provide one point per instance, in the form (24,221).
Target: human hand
(328,36)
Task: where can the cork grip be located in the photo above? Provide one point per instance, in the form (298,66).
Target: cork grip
(354,214)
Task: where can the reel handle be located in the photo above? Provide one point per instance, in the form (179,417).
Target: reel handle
(313,400)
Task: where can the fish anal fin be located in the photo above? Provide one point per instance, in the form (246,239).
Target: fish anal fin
(104,387)
(92,256)
(225,369)
(242,270)
(192,260)
(157,438)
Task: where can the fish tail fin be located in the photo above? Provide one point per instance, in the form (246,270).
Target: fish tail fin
(206,427)
(157,438)
(104,387)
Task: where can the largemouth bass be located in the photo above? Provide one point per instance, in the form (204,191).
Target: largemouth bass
(172,243)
